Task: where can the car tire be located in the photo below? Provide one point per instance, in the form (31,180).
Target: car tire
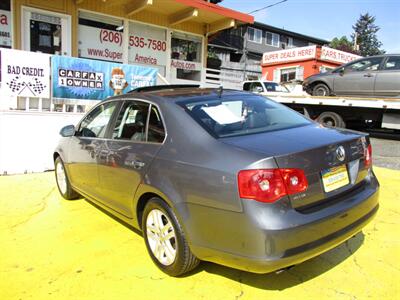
(63,183)
(165,240)
(321,90)
(331,119)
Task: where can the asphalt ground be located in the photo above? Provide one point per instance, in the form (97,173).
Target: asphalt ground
(386,153)
(57,249)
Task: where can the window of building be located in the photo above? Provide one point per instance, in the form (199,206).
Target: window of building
(45,31)
(148,46)
(100,37)
(272,39)
(288,74)
(254,35)
(186,56)
(5,24)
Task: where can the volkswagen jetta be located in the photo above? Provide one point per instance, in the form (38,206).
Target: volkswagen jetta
(219,175)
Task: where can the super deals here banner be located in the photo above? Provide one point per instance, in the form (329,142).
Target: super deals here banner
(25,74)
(78,78)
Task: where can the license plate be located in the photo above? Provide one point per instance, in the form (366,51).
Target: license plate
(335,178)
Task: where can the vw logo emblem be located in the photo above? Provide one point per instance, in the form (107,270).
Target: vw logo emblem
(340,153)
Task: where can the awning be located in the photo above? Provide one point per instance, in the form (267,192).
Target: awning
(213,17)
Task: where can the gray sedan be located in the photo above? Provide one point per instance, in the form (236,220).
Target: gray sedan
(224,176)
(371,76)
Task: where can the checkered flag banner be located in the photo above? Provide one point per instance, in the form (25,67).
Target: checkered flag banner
(17,86)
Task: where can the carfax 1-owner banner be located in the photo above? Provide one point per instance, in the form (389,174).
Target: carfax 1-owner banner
(25,74)
(78,78)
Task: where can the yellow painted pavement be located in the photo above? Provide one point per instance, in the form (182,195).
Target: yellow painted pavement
(57,249)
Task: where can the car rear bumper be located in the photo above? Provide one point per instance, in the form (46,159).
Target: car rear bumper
(265,240)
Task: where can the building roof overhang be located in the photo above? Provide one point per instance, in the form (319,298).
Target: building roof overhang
(211,16)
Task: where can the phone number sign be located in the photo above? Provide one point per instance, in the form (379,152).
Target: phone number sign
(147,45)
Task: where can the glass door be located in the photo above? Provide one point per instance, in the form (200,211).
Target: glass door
(46,32)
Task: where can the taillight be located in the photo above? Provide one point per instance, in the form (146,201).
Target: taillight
(368,156)
(269,185)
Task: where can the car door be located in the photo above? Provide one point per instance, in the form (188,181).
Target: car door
(85,148)
(388,78)
(357,78)
(137,135)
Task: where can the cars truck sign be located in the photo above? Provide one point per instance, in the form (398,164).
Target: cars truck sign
(337,56)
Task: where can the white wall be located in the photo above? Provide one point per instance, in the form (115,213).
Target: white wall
(28,139)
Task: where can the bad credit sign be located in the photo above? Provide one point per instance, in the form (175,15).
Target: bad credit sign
(293,54)
(25,74)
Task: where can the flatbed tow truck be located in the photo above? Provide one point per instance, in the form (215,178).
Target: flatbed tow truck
(380,116)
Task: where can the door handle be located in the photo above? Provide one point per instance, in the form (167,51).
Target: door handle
(368,75)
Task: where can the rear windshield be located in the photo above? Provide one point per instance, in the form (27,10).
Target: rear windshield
(243,115)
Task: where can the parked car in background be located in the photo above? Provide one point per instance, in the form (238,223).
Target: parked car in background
(219,175)
(273,89)
(371,76)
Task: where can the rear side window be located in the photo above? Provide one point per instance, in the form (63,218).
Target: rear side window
(131,121)
(243,115)
(393,63)
(156,131)
(95,123)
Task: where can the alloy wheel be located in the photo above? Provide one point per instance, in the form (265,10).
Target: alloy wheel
(161,237)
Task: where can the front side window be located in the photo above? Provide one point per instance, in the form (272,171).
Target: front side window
(368,64)
(95,124)
(131,122)
(255,35)
(393,63)
(242,115)
(272,39)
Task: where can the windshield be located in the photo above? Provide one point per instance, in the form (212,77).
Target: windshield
(275,87)
(243,115)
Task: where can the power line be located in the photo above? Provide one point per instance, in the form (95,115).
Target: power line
(257,10)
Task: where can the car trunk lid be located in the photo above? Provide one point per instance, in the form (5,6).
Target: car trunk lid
(332,159)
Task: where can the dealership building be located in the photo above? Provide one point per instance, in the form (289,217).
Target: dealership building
(169,35)
(296,64)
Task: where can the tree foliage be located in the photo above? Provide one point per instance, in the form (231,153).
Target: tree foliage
(366,34)
(343,44)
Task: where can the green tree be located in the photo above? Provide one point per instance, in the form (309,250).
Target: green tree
(366,34)
(343,44)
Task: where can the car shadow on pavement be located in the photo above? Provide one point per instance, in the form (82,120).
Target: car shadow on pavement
(272,281)
(291,277)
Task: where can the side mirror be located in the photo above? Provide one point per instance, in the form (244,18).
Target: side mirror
(341,71)
(67,131)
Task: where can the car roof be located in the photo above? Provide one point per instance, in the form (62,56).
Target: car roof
(175,94)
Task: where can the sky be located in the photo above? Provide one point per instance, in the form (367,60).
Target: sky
(327,19)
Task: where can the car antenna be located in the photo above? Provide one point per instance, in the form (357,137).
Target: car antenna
(219,91)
